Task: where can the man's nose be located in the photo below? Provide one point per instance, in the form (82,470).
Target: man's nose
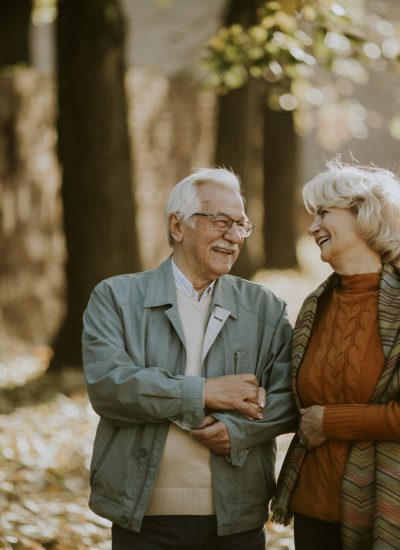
(232,234)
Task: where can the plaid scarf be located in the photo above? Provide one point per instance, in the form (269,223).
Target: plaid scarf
(371,482)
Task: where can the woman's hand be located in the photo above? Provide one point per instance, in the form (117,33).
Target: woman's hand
(311,430)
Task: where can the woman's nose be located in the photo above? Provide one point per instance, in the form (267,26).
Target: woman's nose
(314,226)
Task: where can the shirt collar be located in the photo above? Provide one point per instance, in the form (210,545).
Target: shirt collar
(183,284)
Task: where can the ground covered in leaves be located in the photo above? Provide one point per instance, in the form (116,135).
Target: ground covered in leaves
(46,433)
(45,449)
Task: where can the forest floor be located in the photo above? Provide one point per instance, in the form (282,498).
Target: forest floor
(47,428)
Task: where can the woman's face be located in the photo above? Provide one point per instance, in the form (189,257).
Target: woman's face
(334,231)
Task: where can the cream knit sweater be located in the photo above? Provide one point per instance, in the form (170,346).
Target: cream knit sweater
(183,485)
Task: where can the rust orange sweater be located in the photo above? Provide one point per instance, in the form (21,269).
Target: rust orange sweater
(340,370)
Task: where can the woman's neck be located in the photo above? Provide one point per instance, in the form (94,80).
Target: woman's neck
(368,262)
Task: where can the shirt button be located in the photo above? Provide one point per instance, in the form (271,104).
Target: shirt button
(142,452)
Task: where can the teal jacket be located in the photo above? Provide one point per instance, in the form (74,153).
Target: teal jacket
(134,363)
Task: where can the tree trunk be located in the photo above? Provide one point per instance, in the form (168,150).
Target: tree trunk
(31,241)
(239,143)
(94,152)
(14,24)
(280,184)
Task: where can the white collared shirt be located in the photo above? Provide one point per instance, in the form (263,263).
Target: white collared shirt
(185,286)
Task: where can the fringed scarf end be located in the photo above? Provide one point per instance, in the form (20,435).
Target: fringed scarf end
(280,515)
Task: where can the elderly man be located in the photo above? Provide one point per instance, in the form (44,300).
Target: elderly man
(175,361)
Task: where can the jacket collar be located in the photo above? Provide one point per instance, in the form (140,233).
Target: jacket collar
(161,290)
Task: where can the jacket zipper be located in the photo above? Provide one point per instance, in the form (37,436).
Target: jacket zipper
(235,361)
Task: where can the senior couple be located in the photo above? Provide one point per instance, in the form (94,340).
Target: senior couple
(193,374)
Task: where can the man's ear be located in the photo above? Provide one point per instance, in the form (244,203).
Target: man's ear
(175,227)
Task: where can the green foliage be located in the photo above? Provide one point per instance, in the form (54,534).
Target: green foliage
(292,40)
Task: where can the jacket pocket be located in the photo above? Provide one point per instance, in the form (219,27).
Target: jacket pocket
(100,455)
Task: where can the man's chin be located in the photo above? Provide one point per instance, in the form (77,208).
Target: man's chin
(225,269)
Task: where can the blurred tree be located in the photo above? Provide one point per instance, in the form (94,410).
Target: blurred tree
(290,44)
(94,152)
(14,24)
(239,129)
(260,145)
(280,156)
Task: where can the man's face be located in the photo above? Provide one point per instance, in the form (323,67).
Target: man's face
(204,252)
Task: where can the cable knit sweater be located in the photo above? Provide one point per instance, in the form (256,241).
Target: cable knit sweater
(340,369)
(370,487)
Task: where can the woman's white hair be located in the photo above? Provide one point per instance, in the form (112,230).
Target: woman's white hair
(374,196)
(184,199)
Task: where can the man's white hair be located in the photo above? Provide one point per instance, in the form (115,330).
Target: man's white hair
(374,196)
(184,199)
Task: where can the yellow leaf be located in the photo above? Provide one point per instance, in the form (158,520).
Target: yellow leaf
(286,22)
(290,6)
(309,12)
(258,33)
(268,22)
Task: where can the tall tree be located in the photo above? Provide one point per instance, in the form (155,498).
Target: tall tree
(239,147)
(94,152)
(290,40)
(239,129)
(280,186)
(260,145)
(14,24)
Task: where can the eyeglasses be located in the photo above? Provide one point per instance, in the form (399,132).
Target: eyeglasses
(223,223)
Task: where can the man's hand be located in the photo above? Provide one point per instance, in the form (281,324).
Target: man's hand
(235,392)
(213,434)
(311,430)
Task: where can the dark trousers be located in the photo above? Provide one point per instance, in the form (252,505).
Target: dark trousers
(314,534)
(184,533)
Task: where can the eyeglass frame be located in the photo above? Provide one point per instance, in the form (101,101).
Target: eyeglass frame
(241,228)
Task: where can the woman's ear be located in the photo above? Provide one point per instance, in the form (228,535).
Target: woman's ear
(175,227)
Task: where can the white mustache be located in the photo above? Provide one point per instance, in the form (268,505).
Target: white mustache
(226,246)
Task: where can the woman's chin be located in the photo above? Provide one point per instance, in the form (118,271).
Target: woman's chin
(324,256)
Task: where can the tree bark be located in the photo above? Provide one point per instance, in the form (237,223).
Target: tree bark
(239,141)
(94,152)
(280,184)
(14,24)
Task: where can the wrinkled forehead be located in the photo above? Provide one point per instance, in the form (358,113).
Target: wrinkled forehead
(218,198)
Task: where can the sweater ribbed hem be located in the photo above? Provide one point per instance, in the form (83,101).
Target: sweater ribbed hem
(181,501)
(342,421)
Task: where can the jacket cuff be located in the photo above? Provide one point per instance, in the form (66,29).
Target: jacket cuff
(237,457)
(238,454)
(192,401)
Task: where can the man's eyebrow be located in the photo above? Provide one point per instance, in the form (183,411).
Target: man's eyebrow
(243,219)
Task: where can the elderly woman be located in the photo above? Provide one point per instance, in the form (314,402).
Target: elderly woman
(341,476)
